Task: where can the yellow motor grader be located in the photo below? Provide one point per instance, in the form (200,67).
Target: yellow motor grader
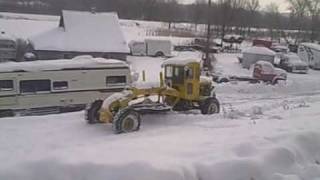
(181,89)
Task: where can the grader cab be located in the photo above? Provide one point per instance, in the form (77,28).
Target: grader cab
(181,89)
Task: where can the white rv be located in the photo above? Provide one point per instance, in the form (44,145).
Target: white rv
(310,53)
(59,85)
(151,47)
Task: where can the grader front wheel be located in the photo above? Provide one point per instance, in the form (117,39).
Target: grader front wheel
(210,106)
(126,120)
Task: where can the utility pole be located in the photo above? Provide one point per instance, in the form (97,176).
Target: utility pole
(207,61)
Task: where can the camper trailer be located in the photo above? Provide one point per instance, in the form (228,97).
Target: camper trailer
(60,85)
(151,47)
(310,53)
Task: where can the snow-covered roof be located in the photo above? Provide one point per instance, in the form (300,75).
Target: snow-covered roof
(180,61)
(259,50)
(84,32)
(80,62)
(312,45)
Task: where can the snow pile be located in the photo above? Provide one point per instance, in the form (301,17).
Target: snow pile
(116,97)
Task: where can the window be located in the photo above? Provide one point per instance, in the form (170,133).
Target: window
(6,85)
(116,80)
(60,85)
(189,73)
(33,86)
(169,71)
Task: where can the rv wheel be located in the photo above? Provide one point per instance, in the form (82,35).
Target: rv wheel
(159,54)
(126,120)
(92,112)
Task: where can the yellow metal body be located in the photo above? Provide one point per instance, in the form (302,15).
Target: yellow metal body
(181,81)
(186,80)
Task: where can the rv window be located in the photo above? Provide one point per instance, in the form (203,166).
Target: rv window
(116,80)
(32,86)
(60,85)
(6,85)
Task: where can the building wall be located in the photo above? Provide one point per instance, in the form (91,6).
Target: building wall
(51,55)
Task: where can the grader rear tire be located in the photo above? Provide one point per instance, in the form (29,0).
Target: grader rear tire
(210,106)
(126,120)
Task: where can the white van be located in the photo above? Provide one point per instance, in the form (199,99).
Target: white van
(59,85)
(151,47)
(310,53)
(8,48)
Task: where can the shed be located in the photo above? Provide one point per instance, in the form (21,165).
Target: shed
(255,54)
(82,33)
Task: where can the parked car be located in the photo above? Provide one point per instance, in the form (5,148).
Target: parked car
(292,63)
(233,38)
(8,48)
(280,49)
(266,72)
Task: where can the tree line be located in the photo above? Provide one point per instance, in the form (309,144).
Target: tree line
(239,16)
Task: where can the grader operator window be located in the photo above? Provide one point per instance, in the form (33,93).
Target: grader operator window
(188,73)
(175,73)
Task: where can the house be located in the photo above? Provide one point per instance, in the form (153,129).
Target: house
(254,54)
(82,33)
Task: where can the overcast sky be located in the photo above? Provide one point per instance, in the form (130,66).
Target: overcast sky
(282,3)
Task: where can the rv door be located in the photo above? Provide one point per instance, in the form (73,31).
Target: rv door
(8,92)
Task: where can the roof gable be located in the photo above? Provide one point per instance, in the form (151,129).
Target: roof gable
(84,32)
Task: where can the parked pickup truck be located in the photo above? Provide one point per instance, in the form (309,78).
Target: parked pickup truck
(266,72)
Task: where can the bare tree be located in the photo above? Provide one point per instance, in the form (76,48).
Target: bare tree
(273,18)
(198,12)
(298,10)
(252,6)
(313,7)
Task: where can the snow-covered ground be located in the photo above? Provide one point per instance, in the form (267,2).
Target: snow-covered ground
(263,132)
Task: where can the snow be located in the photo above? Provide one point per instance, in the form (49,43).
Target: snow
(263,132)
(84,32)
(77,62)
(312,45)
(180,61)
(259,50)
(115,97)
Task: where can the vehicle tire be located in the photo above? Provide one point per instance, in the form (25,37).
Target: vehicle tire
(159,54)
(276,81)
(210,106)
(92,112)
(126,120)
